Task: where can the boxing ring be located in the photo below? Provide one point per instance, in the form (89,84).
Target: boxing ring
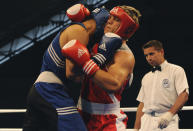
(125,109)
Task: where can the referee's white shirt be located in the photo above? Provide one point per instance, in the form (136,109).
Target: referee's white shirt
(159,90)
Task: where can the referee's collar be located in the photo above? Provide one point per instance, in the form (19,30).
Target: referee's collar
(163,65)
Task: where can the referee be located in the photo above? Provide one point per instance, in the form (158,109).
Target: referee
(164,91)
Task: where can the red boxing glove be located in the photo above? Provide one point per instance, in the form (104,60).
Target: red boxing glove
(77,13)
(80,55)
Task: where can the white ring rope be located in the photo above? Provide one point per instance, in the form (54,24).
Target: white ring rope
(125,109)
(19,129)
(134,109)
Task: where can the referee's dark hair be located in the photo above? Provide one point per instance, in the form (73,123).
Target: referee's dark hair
(153,43)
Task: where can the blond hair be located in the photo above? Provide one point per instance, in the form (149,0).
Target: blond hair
(132,12)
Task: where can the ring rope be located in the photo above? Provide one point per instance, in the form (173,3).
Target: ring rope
(125,109)
(19,129)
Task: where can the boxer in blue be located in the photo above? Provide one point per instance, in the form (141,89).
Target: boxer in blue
(49,104)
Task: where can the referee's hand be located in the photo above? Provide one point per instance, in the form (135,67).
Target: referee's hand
(164,120)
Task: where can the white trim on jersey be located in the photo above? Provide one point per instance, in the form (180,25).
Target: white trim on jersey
(67,110)
(98,108)
(55,57)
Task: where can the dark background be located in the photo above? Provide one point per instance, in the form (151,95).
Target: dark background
(169,21)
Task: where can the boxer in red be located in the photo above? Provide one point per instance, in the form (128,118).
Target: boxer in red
(106,71)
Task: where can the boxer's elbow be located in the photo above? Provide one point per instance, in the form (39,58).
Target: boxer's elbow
(113,86)
(69,74)
(74,77)
(117,86)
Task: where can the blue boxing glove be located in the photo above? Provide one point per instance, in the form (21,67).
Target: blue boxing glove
(108,45)
(101,16)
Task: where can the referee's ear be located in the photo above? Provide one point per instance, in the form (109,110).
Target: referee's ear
(162,52)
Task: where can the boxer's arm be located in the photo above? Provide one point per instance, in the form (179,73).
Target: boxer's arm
(79,54)
(109,43)
(73,72)
(117,73)
(74,32)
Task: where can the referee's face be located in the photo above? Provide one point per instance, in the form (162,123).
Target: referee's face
(154,57)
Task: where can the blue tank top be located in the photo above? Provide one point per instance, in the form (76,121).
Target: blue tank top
(53,60)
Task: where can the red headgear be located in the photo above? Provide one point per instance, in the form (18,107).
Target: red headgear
(128,26)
